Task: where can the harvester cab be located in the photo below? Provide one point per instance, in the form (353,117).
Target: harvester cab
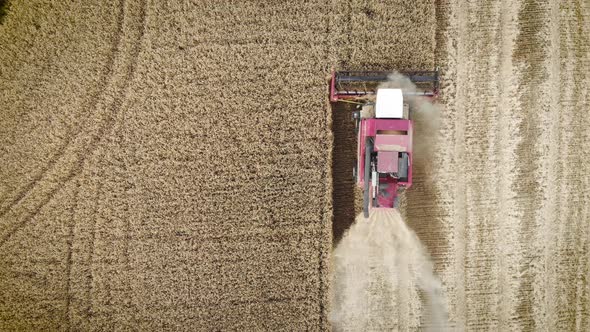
(384,130)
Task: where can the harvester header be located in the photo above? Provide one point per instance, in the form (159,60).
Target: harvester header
(346,85)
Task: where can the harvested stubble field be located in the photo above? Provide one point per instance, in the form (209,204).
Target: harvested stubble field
(167,165)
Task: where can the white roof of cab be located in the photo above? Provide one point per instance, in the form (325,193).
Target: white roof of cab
(389,104)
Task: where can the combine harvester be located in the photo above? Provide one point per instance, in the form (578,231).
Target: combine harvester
(384,129)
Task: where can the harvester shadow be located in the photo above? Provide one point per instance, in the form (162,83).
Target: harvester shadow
(343,160)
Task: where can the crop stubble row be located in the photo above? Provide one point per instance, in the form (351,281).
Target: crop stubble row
(512,175)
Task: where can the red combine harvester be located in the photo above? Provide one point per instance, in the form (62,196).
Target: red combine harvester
(384,129)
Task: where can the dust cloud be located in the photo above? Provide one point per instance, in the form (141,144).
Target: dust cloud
(383,278)
(425,114)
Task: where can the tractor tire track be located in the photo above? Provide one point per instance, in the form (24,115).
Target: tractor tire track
(106,121)
(71,135)
(136,14)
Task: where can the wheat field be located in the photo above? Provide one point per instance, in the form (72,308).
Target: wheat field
(174,165)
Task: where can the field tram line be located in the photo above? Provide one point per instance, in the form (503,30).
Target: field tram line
(105,125)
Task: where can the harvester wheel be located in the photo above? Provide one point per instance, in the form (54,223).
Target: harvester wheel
(367,177)
(356,117)
(374,198)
